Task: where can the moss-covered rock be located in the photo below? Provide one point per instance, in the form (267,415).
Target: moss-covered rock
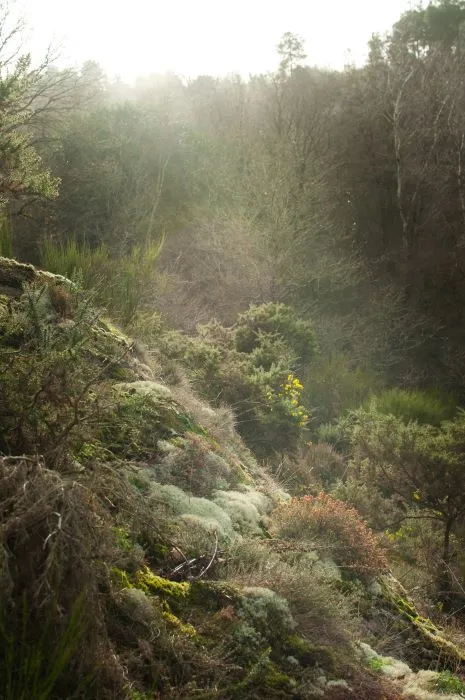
(425,640)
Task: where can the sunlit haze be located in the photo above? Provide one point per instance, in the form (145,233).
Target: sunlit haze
(205,36)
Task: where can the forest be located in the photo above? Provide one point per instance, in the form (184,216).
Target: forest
(232,376)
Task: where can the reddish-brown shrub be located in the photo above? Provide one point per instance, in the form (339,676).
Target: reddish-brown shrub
(332,523)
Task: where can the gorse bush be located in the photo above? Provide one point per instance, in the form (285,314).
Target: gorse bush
(417,469)
(278,321)
(332,523)
(252,368)
(414,405)
(48,388)
(335,384)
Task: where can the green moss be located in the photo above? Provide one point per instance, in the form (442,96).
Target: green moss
(174,622)
(92,451)
(309,654)
(149,582)
(376,663)
(121,578)
(276,679)
(396,596)
(109,327)
(123,539)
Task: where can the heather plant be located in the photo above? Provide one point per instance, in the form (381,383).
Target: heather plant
(332,524)
(319,606)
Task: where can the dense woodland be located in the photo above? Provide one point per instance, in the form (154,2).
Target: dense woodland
(288,249)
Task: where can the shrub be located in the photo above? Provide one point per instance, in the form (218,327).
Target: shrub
(447,682)
(315,467)
(50,392)
(279,321)
(143,412)
(335,385)
(256,379)
(418,467)
(319,607)
(195,467)
(329,521)
(414,405)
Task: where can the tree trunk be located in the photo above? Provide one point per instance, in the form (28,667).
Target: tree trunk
(445,579)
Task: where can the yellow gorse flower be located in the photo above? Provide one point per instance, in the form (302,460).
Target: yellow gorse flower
(290,391)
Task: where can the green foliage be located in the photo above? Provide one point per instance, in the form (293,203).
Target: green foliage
(376,663)
(32,664)
(420,463)
(427,407)
(144,413)
(280,322)
(23,174)
(123,295)
(250,367)
(448,682)
(335,385)
(414,471)
(49,385)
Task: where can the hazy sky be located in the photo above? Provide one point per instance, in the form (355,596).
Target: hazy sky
(191,37)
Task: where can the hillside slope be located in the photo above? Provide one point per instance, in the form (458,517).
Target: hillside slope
(146,553)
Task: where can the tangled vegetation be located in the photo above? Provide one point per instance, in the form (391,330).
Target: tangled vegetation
(145,551)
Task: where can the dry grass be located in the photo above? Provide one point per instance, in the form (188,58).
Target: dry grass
(219,422)
(321,611)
